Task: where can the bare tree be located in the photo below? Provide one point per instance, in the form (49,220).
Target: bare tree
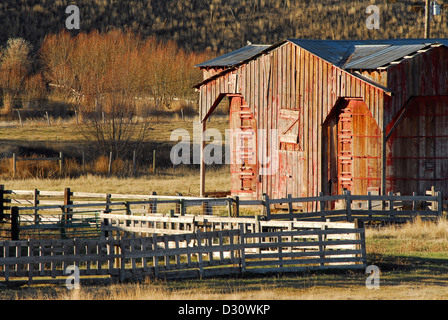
(14,68)
(117,131)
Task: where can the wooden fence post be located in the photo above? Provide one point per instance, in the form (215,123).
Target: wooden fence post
(290,204)
(83,162)
(61,163)
(35,204)
(322,207)
(154,161)
(178,205)
(128,212)
(322,238)
(236,207)
(439,203)
(348,204)
(133,163)
(107,208)
(229,206)
(15,223)
(242,249)
(65,216)
(155,259)
(105,225)
(68,202)
(48,118)
(360,236)
(183,207)
(2,205)
(414,204)
(267,206)
(154,205)
(391,204)
(14,165)
(20,118)
(200,262)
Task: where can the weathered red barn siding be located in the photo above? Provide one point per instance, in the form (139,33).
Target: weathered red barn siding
(417,156)
(426,74)
(417,153)
(291,82)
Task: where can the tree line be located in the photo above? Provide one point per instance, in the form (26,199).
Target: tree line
(94,71)
(220,25)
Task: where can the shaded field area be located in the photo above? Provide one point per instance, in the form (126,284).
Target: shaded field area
(82,162)
(408,272)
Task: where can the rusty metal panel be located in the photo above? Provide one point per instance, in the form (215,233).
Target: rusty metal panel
(233,58)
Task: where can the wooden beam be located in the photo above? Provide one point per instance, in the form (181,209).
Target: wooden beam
(427,20)
(202,170)
(383,162)
(400,117)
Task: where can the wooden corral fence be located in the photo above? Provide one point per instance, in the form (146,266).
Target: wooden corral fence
(66,214)
(59,159)
(289,246)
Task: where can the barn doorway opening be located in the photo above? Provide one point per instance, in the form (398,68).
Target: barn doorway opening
(351,150)
(243,149)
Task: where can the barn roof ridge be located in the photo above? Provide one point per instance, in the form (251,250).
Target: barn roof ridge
(347,55)
(368,54)
(332,51)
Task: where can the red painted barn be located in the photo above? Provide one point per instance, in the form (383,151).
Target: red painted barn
(339,114)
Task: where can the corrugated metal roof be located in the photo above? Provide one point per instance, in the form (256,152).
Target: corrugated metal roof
(233,58)
(364,54)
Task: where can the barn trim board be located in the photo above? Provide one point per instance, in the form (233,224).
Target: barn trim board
(294,89)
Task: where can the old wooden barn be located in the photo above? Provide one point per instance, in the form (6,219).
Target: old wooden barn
(364,116)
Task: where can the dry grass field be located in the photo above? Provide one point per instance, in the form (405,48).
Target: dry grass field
(413,258)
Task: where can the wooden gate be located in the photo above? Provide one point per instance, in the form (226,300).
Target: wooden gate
(243,149)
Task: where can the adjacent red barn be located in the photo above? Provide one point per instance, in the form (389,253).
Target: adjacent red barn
(337,114)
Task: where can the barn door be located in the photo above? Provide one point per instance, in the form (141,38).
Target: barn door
(243,144)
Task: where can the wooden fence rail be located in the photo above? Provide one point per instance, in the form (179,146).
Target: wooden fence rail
(312,246)
(36,213)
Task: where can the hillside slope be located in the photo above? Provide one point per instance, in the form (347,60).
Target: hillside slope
(219,25)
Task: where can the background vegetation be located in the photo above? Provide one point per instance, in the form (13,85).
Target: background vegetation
(218,25)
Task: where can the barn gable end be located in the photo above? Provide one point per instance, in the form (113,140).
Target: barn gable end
(296,88)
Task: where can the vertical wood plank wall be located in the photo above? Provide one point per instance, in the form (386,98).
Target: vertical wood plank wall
(289,77)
